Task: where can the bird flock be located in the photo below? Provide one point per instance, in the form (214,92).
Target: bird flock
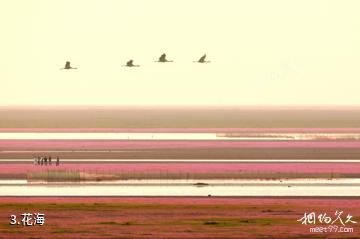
(130,63)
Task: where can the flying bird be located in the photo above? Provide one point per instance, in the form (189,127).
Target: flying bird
(162,58)
(202,59)
(130,63)
(67,66)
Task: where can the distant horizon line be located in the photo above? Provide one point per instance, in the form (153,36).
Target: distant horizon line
(177,106)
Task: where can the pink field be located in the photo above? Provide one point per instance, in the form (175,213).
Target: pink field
(190,167)
(330,203)
(146,144)
(174,217)
(187,130)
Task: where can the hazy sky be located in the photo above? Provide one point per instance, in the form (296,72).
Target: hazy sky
(262,52)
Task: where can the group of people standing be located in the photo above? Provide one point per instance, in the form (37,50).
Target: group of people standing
(43,160)
(130,63)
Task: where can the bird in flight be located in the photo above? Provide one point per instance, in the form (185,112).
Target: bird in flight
(202,59)
(130,63)
(68,67)
(162,58)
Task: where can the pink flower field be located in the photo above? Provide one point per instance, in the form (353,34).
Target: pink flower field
(350,168)
(175,217)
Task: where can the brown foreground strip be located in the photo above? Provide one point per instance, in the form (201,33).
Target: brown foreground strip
(174,217)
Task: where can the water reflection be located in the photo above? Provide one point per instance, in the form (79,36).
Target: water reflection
(344,187)
(180,136)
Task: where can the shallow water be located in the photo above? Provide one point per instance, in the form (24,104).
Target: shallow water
(343,187)
(166,190)
(176,136)
(203,182)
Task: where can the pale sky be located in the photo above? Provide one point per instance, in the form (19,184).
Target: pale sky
(262,52)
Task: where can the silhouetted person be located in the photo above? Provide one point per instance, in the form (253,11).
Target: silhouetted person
(57,161)
(50,160)
(45,160)
(68,66)
(131,64)
(202,59)
(162,58)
